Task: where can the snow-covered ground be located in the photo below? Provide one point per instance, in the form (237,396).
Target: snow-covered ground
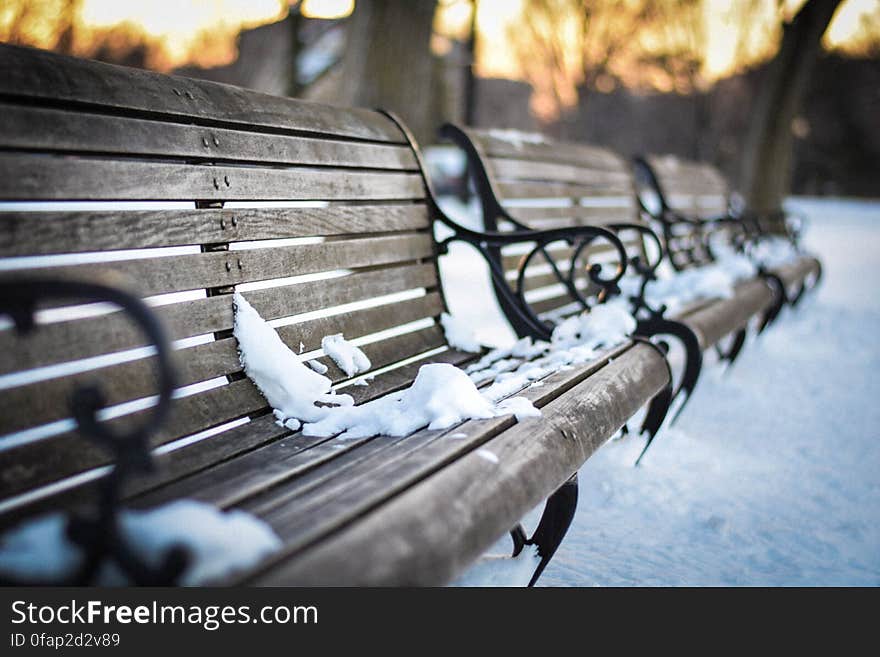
(772,475)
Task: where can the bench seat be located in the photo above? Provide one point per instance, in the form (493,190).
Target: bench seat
(691,203)
(716,319)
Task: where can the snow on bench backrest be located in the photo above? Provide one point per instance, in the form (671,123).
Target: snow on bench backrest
(182,191)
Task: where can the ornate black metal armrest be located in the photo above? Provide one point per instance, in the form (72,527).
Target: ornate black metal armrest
(99,536)
(489,245)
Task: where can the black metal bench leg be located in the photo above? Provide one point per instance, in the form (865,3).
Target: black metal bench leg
(693,356)
(555,521)
(780,300)
(800,293)
(739,340)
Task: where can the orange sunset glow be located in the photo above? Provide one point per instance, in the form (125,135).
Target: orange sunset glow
(204,32)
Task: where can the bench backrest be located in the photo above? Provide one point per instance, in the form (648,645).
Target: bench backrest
(179,190)
(669,186)
(547,184)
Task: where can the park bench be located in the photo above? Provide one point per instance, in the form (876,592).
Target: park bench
(157,197)
(528,182)
(691,203)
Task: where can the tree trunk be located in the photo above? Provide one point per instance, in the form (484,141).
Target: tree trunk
(766,165)
(388,62)
(294,25)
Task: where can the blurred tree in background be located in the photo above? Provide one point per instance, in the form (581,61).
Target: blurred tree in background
(730,81)
(388,61)
(766,163)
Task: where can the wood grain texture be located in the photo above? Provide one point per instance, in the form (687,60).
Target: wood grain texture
(205,454)
(52,232)
(538,190)
(713,322)
(151,276)
(576,215)
(29,128)
(38,75)
(418,537)
(546,150)
(522,170)
(104,334)
(65,454)
(46,401)
(66,178)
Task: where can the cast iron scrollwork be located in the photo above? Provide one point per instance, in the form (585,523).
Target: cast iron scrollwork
(99,535)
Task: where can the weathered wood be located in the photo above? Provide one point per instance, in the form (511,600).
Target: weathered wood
(46,401)
(150,276)
(522,170)
(200,455)
(76,339)
(417,537)
(545,150)
(64,178)
(83,131)
(686,185)
(40,129)
(37,75)
(336,460)
(794,273)
(65,454)
(575,215)
(713,322)
(52,232)
(586,189)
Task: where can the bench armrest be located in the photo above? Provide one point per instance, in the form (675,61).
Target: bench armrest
(19,298)
(512,296)
(99,535)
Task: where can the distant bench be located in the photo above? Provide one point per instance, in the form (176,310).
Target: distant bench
(333,228)
(528,182)
(691,202)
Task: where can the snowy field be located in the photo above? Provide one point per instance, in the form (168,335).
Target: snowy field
(772,475)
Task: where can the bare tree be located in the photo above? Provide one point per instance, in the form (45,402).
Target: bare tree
(766,163)
(568,48)
(388,61)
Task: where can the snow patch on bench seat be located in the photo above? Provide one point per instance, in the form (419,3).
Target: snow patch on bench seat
(219,543)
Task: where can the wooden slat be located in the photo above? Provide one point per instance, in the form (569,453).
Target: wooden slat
(41,233)
(204,454)
(66,454)
(551,303)
(794,274)
(536,456)
(110,333)
(40,129)
(507,169)
(46,401)
(520,190)
(714,321)
(548,151)
(576,215)
(307,477)
(561,256)
(64,178)
(37,75)
(686,177)
(150,276)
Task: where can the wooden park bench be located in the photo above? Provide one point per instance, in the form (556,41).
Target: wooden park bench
(691,203)
(527,182)
(120,185)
